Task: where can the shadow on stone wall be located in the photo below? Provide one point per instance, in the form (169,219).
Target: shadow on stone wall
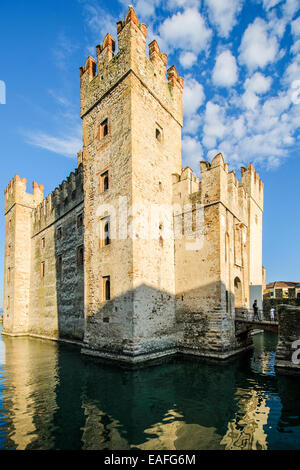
(143,322)
(68,270)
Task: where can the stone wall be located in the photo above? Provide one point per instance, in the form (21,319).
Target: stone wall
(289,332)
(269,303)
(137,102)
(164,296)
(52,305)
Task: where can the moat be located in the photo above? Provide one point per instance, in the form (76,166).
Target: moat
(52,397)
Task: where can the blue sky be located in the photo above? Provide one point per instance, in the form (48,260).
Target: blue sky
(241,64)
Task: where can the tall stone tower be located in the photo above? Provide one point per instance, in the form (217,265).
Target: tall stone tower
(255,191)
(19,206)
(131,108)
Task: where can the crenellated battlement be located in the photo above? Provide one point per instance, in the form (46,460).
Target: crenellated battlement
(66,196)
(253,184)
(15,193)
(184,185)
(98,77)
(218,183)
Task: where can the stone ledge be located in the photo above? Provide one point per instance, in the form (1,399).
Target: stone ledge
(48,338)
(126,358)
(213,355)
(288,366)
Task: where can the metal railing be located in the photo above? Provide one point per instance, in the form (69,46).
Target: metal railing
(248,315)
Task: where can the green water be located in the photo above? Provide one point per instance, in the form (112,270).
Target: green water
(52,397)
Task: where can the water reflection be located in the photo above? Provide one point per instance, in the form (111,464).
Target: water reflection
(51,397)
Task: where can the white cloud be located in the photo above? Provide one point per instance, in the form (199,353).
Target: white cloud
(295,49)
(268,4)
(63,50)
(98,22)
(292,72)
(290,7)
(225,72)
(187,59)
(175,4)
(192,152)
(68,146)
(296,27)
(259,47)
(193,96)
(223,13)
(186,31)
(239,128)
(143,8)
(214,124)
(258,83)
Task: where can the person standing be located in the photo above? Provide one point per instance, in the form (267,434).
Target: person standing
(272,314)
(255,310)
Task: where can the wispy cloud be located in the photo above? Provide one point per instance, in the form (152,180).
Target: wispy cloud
(67,146)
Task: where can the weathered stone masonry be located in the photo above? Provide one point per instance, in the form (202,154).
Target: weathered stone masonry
(134,299)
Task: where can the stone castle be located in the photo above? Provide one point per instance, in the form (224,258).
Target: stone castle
(131,298)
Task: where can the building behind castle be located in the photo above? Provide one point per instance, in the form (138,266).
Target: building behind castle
(78,265)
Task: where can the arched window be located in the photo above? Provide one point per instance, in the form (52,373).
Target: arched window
(106,288)
(105,182)
(104,129)
(80,256)
(106,233)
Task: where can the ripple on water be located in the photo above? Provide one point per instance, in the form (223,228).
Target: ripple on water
(51,397)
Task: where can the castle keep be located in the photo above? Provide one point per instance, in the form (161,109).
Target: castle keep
(77,266)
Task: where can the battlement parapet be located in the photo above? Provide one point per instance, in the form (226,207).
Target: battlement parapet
(15,193)
(220,184)
(65,197)
(113,67)
(184,185)
(131,18)
(253,184)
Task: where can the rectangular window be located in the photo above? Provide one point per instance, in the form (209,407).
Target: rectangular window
(79,220)
(9,250)
(104,182)
(43,269)
(227,301)
(105,232)
(8,303)
(43,242)
(59,265)
(59,233)
(103,129)
(292,293)
(8,275)
(80,256)
(9,224)
(158,133)
(106,288)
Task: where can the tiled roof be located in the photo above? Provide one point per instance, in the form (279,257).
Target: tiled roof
(280,284)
